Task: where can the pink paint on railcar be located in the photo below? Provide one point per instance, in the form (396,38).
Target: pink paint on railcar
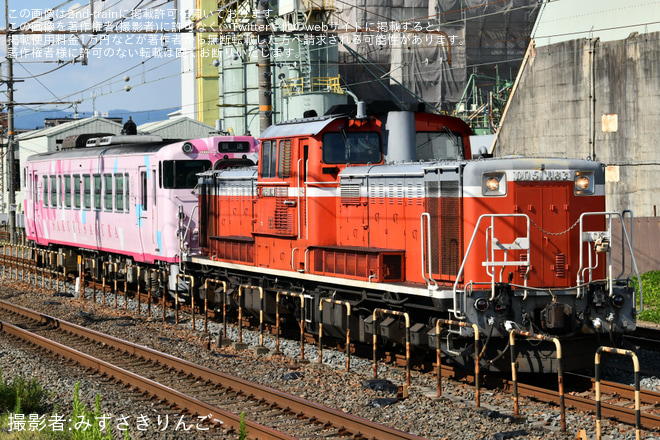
(124,200)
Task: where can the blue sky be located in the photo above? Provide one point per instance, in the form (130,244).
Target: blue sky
(149,61)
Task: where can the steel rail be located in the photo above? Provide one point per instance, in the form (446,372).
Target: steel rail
(622,414)
(183,401)
(359,427)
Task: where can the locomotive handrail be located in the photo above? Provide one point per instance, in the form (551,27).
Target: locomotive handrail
(632,239)
(458,313)
(298,196)
(430,282)
(592,237)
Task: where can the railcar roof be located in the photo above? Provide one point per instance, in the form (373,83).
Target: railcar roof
(299,127)
(102,151)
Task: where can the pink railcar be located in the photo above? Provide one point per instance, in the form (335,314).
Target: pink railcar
(125,195)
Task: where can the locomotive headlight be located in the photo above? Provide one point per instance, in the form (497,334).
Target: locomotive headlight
(187,148)
(493,184)
(617,301)
(481,304)
(584,183)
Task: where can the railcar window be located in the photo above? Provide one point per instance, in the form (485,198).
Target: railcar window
(126,198)
(268,158)
(119,192)
(182,174)
(439,145)
(67,191)
(53,191)
(143,184)
(76,191)
(351,147)
(107,192)
(87,191)
(45,192)
(97,191)
(233,147)
(59,191)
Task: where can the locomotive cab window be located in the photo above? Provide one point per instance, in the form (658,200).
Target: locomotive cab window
(435,145)
(351,148)
(182,174)
(268,158)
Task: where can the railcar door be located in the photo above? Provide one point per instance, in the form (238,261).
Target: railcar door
(143,211)
(31,204)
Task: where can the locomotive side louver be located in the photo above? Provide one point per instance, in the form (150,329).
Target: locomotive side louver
(350,193)
(560,265)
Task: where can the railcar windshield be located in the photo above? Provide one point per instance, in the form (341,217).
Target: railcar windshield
(233,147)
(182,174)
(436,145)
(351,147)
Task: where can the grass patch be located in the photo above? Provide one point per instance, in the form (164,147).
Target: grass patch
(25,419)
(20,395)
(651,292)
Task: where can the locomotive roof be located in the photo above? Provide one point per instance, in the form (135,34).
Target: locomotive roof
(299,127)
(104,150)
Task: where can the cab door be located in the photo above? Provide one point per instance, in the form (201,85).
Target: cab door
(278,193)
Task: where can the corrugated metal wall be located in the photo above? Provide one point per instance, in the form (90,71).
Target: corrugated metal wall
(646,240)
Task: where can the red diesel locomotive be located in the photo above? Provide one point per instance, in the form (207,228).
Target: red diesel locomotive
(391,212)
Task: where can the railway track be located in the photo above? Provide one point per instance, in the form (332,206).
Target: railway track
(200,391)
(617,399)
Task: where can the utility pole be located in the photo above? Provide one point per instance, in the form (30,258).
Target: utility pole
(11,181)
(263,63)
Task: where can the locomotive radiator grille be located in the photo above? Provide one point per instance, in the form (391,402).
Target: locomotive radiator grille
(350,193)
